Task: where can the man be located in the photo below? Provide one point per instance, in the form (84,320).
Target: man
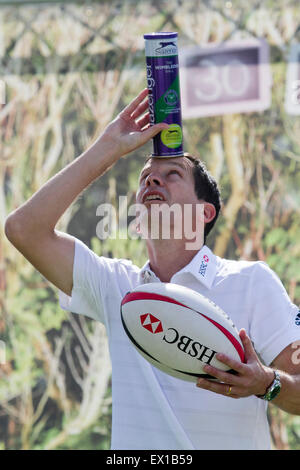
(152,410)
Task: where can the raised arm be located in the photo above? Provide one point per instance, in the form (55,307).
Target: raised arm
(31,227)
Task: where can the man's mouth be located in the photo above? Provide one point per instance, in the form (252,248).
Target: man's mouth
(153,196)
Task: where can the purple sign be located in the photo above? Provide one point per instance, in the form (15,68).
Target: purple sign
(230,78)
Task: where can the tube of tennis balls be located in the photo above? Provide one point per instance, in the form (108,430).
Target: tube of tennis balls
(164,92)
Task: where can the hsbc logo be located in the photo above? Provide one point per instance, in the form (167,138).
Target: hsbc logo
(203,266)
(184,343)
(151,323)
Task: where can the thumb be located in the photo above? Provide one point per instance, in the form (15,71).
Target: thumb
(152,131)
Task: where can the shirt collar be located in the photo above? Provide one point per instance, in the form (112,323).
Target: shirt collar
(203,267)
(147,275)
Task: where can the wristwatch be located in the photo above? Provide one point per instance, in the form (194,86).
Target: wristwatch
(273,389)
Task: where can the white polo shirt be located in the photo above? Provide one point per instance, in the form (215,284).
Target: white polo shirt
(152,410)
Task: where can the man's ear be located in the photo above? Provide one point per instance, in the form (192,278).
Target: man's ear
(209,212)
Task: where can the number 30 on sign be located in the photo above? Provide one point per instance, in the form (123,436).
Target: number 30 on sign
(233,77)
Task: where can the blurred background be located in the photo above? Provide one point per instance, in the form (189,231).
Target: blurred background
(67,68)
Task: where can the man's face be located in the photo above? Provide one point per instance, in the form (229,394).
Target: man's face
(173,210)
(168,180)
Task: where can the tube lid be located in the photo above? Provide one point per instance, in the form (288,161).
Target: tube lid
(161,35)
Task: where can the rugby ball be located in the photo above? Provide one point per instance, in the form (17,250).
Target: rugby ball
(179,330)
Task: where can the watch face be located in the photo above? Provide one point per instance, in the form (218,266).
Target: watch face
(274,392)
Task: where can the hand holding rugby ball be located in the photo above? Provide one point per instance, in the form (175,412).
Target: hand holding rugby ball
(179,330)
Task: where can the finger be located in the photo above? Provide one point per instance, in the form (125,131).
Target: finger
(152,131)
(144,121)
(144,106)
(222,375)
(237,366)
(216,387)
(248,347)
(134,103)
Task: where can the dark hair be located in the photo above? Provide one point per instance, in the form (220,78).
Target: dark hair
(206,188)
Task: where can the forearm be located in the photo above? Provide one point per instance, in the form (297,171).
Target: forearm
(43,210)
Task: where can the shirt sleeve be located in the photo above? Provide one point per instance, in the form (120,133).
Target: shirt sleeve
(90,277)
(273,322)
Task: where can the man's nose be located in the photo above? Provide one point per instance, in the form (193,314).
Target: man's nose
(154,179)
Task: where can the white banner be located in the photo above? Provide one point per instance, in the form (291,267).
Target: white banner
(292,90)
(233,77)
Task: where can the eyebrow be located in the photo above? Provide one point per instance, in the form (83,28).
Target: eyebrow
(181,165)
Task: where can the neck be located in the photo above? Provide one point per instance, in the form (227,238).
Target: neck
(167,257)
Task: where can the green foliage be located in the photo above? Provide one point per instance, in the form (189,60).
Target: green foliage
(284,252)
(293,429)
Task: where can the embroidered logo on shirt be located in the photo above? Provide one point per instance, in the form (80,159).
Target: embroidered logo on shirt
(297,319)
(151,323)
(203,265)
